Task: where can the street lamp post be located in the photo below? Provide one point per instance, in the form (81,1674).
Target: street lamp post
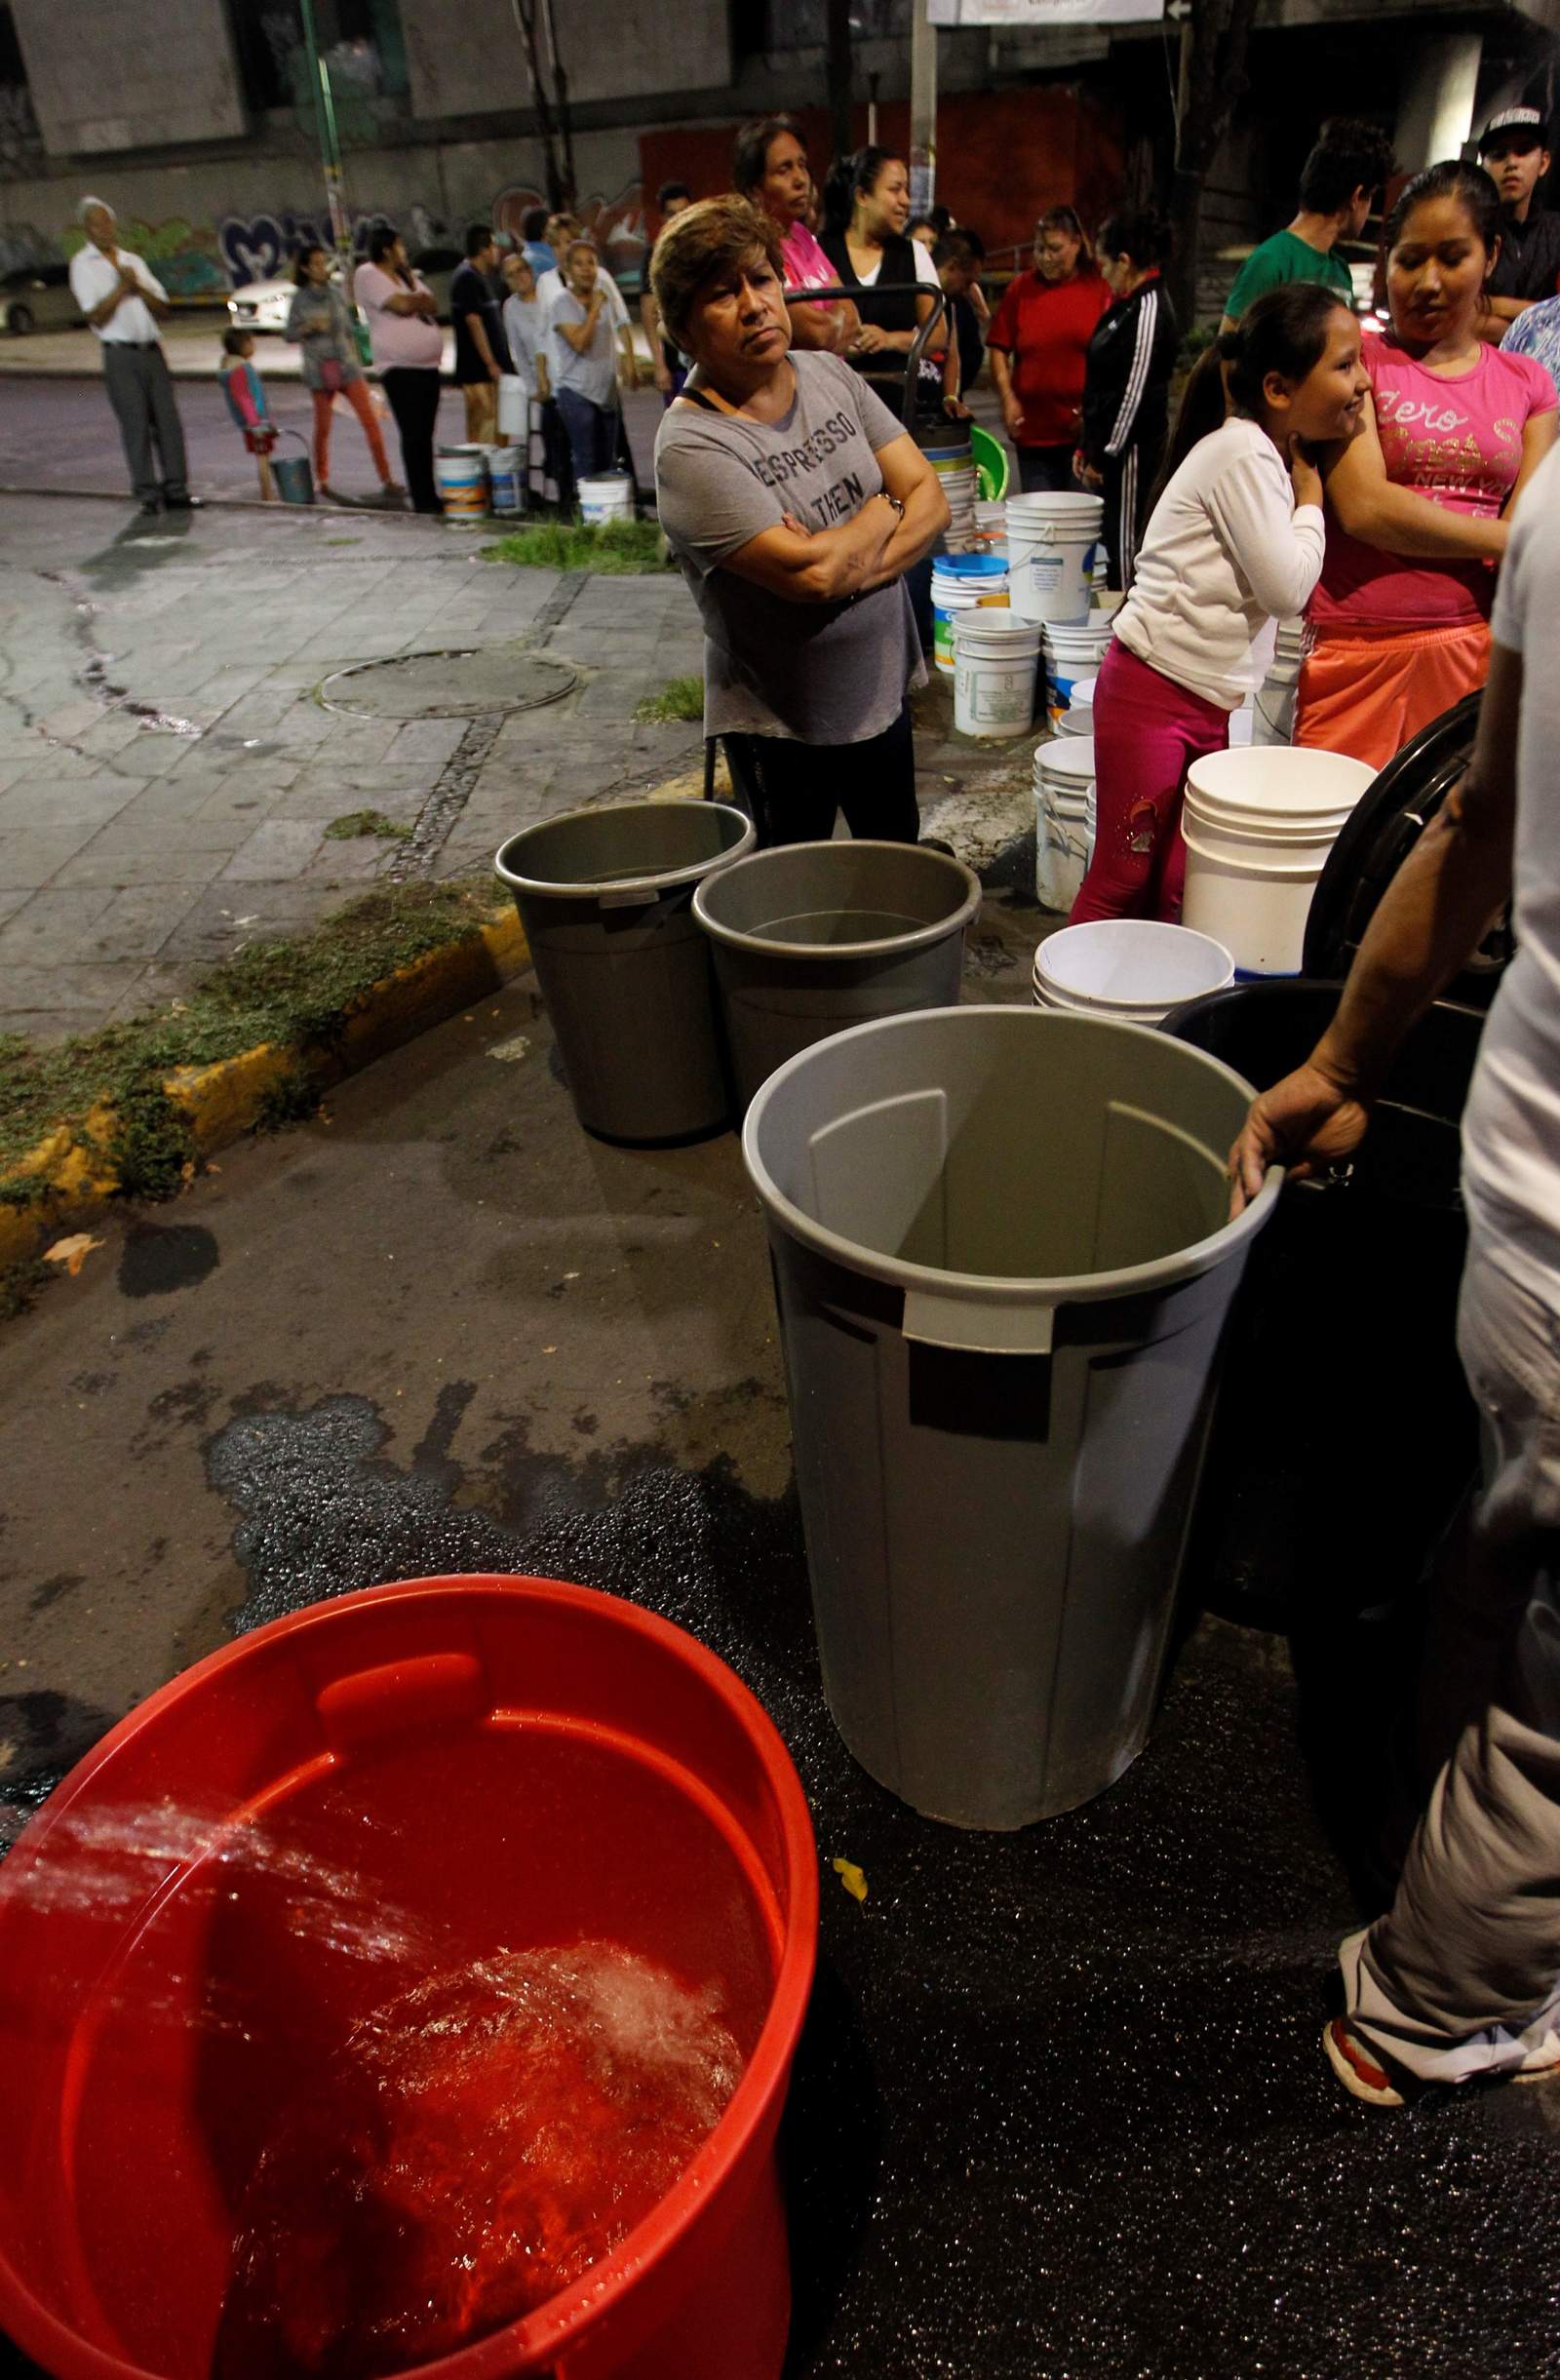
(324,125)
(923,108)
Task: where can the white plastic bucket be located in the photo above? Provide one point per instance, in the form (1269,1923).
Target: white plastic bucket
(1072,655)
(506,479)
(512,405)
(460,476)
(1050,543)
(962,583)
(1063,805)
(1079,716)
(1130,968)
(996,657)
(606,495)
(1273,709)
(947,607)
(1259,826)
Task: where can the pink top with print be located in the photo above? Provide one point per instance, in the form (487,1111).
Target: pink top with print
(1457,439)
(806,265)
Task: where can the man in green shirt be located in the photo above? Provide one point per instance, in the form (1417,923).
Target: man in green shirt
(1339,186)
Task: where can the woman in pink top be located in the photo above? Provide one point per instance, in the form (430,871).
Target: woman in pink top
(770,168)
(408,350)
(1420,501)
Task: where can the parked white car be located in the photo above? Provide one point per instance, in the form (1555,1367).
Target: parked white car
(38,297)
(262,305)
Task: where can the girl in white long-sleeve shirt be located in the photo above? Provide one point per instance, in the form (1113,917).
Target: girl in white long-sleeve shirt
(1235,544)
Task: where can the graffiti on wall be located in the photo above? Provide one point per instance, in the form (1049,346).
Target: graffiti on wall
(204,260)
(182,254)
(616,224)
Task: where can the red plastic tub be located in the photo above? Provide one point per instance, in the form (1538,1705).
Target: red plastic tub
(503,1761)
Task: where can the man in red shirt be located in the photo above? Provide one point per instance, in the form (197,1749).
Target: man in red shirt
(1038,343)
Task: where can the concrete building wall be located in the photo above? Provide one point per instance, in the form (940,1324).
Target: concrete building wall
(204,228)
(99,83)
(465,56)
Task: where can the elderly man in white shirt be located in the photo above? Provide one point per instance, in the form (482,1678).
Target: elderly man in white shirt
(124,302)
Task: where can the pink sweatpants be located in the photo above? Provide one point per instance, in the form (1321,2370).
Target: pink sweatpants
(1147,730)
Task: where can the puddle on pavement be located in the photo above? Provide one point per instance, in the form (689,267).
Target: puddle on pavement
(1061,2106)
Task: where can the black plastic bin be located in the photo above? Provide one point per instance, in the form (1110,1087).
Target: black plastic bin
(1344,1437)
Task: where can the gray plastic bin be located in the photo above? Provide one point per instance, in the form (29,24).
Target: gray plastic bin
(1004,1263)
(607,901)
(812,938)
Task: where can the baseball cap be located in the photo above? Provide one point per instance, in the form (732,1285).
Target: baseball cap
(1517,127)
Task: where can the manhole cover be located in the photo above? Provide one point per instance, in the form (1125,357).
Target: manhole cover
(459,684)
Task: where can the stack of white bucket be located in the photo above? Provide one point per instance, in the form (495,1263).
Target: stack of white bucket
(506,479)
(1259,826)
(996,657)
(962,582)
(1132,970)
(955,465)
(1073,656)
(1079,716)
(1063,818)
(1051,542)
(1275,701)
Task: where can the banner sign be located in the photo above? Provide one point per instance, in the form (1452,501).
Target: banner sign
(1043,12)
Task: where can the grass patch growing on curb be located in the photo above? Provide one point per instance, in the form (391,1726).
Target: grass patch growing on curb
(678,698)
(354,824)
(296,994)
(617,549)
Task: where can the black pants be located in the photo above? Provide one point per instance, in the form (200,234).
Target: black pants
(142,394)
(1046,471)
(411,392)
(794,791)
(1128,484)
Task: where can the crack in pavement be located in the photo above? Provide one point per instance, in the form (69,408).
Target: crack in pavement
(453,784)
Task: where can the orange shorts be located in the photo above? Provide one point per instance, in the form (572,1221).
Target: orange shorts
(1369,692)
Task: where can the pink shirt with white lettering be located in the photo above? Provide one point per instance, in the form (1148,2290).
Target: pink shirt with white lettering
(806,265)
(1456,439)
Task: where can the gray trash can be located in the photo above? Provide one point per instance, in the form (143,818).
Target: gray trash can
(811,938)
(1002,1263)
(607,901)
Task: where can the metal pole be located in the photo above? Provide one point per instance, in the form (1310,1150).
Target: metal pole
(336,197)
(326,133)
(922,109)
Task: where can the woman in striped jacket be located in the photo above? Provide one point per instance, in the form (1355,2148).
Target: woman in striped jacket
(1126,387)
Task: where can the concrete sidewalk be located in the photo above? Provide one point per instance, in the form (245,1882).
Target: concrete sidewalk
(168,773)
(191,341)
(59,436)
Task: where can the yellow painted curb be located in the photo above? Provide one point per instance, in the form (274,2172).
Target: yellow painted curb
(68,1173)
(68,1176)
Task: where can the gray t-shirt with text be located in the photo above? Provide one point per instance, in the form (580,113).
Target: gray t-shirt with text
(822,673)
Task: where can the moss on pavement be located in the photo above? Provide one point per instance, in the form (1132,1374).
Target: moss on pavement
(296,994)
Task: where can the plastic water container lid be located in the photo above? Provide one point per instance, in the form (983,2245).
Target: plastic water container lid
(994,624)
(1094,630)
(1069,755)
(1116,962)
(969,566)
(1280,781)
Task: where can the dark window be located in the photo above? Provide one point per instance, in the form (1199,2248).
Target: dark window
(750,29)
(13,71)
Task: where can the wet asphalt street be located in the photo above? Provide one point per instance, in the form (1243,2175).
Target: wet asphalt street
(1062,2112)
